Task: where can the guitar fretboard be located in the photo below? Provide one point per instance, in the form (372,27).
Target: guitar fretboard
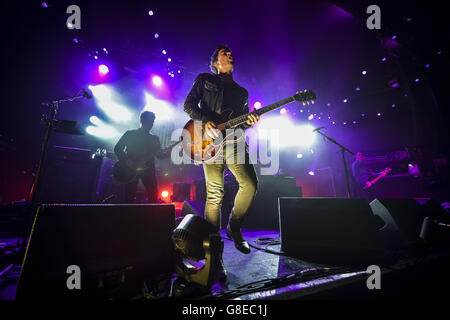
(241,119)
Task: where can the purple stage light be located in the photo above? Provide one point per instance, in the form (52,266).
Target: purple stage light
(393,106)
(157,81)
(150,13)
(169,59)
(328,104)
(257,105)
(345,100)
(357,89)
(427,65)
(299,155)
(364,72)
(283,110)
(75,40)
(417,80)
(394,37)
(311,173)
(156,36)
(164,52)
(379,114)
(103,69)
(311,116)
(44,5)
(384,59)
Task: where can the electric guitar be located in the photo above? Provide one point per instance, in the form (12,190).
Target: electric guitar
(202,149)
(126,171)
(381,175)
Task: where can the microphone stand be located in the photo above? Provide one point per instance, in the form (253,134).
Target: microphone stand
(343,150)
(49,121)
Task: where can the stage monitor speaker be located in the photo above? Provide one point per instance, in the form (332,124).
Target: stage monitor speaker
(436,212)
(193,207)
(403,220)
(329,230)
(263,213)
(116,248)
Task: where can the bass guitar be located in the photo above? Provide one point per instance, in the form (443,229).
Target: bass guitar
(202,149)
(126,171)
(381,175)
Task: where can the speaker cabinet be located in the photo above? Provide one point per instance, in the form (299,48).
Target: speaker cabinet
(328,230)
(263,213)
(115,247)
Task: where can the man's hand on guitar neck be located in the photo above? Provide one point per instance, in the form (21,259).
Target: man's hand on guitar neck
(212,131)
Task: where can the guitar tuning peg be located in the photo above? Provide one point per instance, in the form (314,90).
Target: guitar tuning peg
(312,101)
(297,92)
(304,104)
(307,102)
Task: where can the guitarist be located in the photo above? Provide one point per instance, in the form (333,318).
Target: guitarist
(139,148)
(211,94)
(363,175)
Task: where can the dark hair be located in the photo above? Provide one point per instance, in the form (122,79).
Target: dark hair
(215,55)
(147,115)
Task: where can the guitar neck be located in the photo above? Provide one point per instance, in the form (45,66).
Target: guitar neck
(242,119)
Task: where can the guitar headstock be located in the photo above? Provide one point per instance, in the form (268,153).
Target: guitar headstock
(305,96)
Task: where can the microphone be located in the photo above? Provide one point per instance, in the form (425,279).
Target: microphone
(317,129)
(86,94)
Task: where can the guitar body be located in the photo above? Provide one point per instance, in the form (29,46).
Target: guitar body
(202,149)
(123,173)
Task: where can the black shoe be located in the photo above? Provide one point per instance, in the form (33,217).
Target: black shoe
(239,241)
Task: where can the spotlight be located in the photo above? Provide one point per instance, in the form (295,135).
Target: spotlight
(345,100)
(311,173)
(283,111)
(95,120)
(150,13)
(157,81)
(311,116)
(299,155)
(103,69)
(156,36)
(257,105)
(164,52)
(169,59)
(364,72)
(196,239)
(384,59)
(164,193)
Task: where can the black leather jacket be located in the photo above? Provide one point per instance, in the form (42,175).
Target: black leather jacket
(206,98)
